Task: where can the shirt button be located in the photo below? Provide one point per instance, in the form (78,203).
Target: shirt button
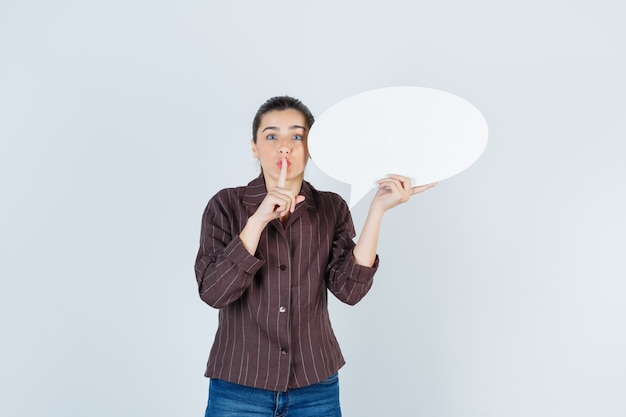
(282,309)
(284,351)
(283,267)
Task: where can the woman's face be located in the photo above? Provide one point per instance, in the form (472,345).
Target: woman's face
(282,134)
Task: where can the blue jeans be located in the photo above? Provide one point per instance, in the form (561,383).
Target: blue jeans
(233,400)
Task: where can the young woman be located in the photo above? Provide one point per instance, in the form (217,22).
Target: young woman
(269,252)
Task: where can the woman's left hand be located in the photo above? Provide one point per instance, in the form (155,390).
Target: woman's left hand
(393,190)
(396,189)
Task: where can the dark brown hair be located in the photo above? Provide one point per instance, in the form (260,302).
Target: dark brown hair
(277,104)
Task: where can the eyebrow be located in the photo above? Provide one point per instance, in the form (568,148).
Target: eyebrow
(290,128)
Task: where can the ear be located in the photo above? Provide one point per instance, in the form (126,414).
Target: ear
(255,154)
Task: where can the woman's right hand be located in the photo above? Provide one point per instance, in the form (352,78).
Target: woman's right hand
(278,202)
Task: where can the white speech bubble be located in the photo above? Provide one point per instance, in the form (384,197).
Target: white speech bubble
(422,133)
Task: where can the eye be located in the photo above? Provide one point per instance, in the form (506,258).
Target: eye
(297,137)
(271,136)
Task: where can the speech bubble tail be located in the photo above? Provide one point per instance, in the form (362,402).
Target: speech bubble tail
(357,192)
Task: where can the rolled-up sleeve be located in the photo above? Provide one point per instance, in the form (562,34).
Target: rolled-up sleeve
(346,279)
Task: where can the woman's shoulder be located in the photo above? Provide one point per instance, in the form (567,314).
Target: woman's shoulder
(254,189)
(227,193)
(227,199)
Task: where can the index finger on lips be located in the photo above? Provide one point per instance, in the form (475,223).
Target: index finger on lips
(283,173)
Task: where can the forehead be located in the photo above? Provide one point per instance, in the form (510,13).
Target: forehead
(283,119)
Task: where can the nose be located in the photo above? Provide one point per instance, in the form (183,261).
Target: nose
(284,149)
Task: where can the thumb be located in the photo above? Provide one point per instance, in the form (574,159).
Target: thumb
(299,199)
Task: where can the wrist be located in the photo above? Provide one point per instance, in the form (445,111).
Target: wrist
(376,211)
(255,223)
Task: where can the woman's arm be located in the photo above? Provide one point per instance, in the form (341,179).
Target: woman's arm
(392,191)
(345,279)
(226,262)
(224,268)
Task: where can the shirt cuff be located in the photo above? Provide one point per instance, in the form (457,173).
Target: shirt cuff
(361,273)
(239,255)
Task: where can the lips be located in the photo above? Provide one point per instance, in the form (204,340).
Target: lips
(280,163)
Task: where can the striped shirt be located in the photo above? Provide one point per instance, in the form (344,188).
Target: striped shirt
(274,330)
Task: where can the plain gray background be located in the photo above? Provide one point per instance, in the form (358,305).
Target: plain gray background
(500,292)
